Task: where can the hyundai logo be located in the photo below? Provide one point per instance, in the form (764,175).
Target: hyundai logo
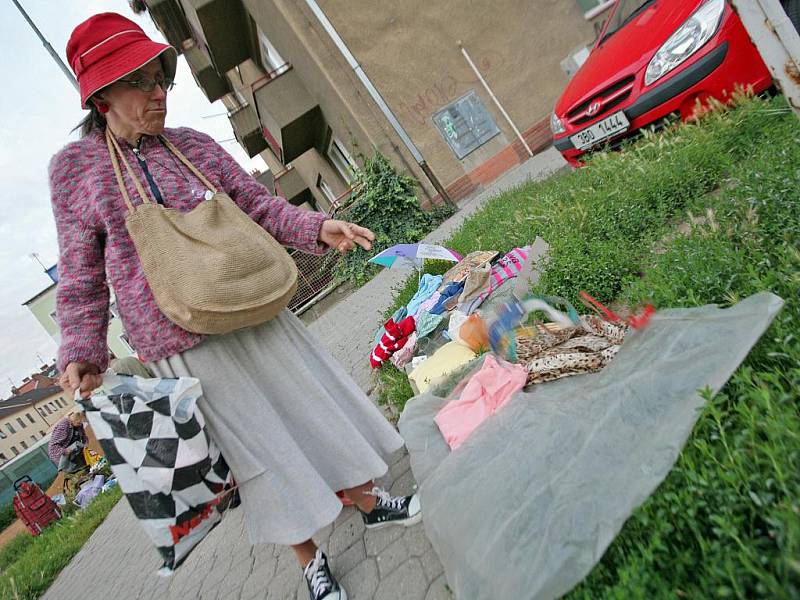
(593,109)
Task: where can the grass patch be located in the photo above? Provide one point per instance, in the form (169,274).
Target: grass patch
(28,565)
(726,521)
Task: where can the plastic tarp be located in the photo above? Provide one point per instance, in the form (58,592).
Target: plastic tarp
(530,502)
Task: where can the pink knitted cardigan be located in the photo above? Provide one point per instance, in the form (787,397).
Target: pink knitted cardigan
(96,250)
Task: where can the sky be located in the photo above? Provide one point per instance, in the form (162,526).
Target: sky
(39,108)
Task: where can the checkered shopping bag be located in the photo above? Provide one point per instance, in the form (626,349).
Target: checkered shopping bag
(170,470)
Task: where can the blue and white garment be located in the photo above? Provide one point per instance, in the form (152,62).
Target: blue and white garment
(156,442)
(428,285)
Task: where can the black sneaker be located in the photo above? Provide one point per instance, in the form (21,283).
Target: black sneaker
(392,510)
(321,584)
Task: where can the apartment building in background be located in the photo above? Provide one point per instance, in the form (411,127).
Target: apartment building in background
(289,73)
(27,417)
(43,308)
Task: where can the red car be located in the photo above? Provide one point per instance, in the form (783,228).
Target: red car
(654,59)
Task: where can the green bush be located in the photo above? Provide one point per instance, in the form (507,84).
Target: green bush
(726,521)
(7,516)
(28,565)
(385,202)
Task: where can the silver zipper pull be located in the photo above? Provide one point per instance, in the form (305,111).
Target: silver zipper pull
(138,153)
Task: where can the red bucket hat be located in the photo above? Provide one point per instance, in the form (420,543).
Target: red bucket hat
(107,47)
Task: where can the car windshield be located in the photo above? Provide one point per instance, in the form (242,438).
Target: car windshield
(625,13)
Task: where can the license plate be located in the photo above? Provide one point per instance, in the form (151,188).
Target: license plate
(602,130)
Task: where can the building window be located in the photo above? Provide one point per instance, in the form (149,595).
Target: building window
(270,57)
(21,423)
(326,190)
(10,428)
(41,433)
(124,339)
(240,98)
(24,445)
(112,308)
(2,435)
(33,439)
(14,450)
(47,408)
(30,417)
(341,159)
(3,456)
(54,316)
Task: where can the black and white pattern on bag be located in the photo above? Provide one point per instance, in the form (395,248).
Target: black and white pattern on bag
(170,470)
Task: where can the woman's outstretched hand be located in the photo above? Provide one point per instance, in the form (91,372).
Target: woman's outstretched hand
(344,236)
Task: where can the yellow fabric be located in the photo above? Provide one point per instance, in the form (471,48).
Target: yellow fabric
(445,360)
(90,457)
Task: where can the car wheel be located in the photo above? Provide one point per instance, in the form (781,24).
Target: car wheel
(792,8)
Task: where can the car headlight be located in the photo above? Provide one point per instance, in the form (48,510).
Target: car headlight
(687,40)
(556,126)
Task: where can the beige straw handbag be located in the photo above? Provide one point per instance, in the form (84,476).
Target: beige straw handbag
(212,269)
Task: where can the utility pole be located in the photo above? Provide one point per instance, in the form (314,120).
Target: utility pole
(777,41)
(47,46)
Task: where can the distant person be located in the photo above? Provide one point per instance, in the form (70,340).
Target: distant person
(67,441)
(291,423)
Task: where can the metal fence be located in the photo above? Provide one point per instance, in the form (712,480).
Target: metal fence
(315,273)
(315,278)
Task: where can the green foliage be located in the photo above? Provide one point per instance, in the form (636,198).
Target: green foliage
(726,521)
(707,213)
(28,565)
(7,516)
(385,202)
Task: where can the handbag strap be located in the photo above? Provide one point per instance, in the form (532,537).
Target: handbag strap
(116,153)
(186,162)
(114,150)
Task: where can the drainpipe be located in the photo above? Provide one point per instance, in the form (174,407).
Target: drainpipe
(493,97)
(376,96)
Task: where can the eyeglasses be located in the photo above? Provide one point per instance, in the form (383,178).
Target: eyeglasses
(148,84)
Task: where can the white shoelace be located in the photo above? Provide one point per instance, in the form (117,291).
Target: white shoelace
(317,576)
(385,500)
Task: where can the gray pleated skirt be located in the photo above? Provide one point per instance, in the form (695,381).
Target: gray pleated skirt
(291,423)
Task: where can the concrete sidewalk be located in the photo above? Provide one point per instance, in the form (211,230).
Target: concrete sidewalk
(119,563)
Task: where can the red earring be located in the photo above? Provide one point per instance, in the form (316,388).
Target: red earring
(102,107)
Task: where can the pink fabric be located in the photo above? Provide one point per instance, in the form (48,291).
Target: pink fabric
(486,391)
(406,353)
(96,250)
(428,304)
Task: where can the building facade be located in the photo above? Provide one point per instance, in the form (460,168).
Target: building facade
(289,72)
(27,418)
(43,307)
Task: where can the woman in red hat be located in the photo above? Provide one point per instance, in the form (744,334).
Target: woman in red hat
(291,423)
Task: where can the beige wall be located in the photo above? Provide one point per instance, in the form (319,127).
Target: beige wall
(410,52)
(44,414)
(311,166)
(351,114)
